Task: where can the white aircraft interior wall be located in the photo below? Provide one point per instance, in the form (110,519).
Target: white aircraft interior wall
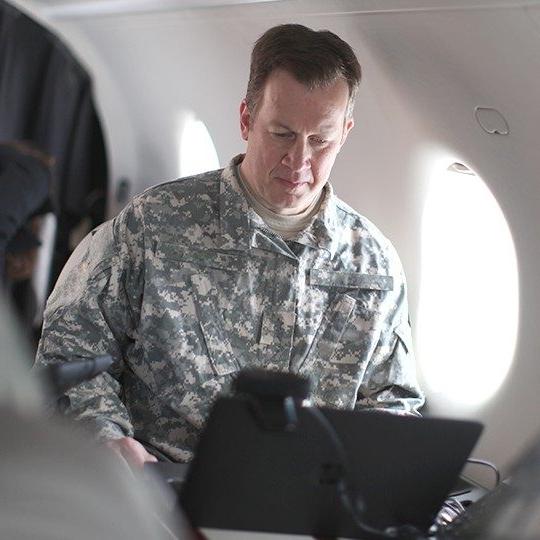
(426,66)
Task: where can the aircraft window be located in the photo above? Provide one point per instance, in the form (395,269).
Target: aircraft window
(197,151)
(468,306)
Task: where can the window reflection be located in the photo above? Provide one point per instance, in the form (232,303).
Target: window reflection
(197,151)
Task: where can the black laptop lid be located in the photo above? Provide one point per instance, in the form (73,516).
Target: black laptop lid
(245,477)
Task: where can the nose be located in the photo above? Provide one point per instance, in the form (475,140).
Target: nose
(298,156)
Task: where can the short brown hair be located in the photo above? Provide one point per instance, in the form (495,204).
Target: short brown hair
(314,58)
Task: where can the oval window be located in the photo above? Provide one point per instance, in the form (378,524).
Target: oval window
(468,306)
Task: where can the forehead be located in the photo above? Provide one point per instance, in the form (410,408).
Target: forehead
(285,100)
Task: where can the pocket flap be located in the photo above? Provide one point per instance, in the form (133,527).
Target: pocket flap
(203,258)
(221,354)
(403,332)
(328,278)
(331,328)
(219,348)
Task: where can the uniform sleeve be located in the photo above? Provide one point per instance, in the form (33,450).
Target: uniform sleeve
(390,382)
(94,310)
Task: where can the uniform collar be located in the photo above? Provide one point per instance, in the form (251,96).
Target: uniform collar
(322,233)
(240,225)
(234,211)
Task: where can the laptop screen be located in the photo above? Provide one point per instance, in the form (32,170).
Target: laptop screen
(247,477)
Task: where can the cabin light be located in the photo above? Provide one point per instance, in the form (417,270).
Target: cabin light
(468,307)
(197,151)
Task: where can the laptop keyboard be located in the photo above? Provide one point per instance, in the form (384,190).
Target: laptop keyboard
(475,522)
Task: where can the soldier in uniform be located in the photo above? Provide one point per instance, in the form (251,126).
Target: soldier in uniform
(258,264)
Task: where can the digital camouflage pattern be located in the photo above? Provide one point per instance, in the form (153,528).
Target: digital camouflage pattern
(187,285)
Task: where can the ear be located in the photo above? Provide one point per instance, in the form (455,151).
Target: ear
(245,119)
(349,124)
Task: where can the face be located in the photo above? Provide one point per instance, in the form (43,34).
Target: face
(293,138)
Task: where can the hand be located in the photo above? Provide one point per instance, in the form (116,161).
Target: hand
(132,451)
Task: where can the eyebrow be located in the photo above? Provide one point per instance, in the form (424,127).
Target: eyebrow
(282,126)
(324,128)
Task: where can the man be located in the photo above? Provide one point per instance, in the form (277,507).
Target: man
(258,265)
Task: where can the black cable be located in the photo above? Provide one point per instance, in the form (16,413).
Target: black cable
(459,493)
(349,499)
(475,461)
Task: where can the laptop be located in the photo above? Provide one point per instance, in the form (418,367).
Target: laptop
(398,469)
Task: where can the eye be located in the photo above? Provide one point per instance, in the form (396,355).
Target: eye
(282,134)
(319,141)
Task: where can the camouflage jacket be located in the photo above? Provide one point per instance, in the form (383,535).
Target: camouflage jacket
(187,285)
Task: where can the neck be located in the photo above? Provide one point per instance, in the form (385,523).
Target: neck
(287,225)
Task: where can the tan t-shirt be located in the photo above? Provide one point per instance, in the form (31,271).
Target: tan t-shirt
(287,226)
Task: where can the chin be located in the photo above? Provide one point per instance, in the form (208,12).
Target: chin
(292,204)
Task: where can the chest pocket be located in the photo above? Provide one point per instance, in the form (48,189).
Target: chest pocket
(218,286)
(212,324)
(347,335)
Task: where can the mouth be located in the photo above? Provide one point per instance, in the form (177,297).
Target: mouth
(291,183)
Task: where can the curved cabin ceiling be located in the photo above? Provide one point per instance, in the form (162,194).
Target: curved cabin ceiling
(61,9)
(68,9)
